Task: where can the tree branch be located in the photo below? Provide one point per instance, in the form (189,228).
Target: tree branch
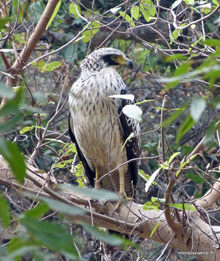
(210,197)
(130,219)
(34,38)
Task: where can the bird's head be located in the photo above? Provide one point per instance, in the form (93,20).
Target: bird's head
(103,58)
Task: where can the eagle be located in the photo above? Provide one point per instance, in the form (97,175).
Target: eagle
(98,126)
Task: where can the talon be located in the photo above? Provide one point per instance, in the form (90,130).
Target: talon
(124,197)
(117,206)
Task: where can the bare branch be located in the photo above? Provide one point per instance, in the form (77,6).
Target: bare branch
(130,219)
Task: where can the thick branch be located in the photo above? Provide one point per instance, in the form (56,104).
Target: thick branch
(149,33)
(34,38)
(131,218)
(210,197)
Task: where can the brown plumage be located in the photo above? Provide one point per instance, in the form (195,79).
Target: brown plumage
(98,126)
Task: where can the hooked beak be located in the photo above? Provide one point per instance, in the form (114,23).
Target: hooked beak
(129,63)
(124,61)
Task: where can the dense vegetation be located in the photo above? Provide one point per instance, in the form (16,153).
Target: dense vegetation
(175,48)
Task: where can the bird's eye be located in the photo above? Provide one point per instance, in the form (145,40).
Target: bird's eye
(114,57)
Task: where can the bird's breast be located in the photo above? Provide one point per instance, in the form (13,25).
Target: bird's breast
(95,116)
(89,96)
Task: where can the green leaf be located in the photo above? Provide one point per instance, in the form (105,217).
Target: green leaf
(213,77)
(71,149)
(217,102)
(4,212)
(99,194)
(62,164)
(175,56)
(184,162)
(173,156)
(21,244)
(181,206)
(181,70)
(133,111)
(6,91)
(135,12)
(197,107)
(189,2)
(210,131)
(159,200)
(46,67)
(74,9)
(144,101)
(207,8)
(90,32)
(166,164)
(128,138)
(15,159)
(70,52)
(41,97)
(151,205)
(19,38)
(194,177)
(62,207)
(196,43)
(9,124)
(39,64)
(103,236)
(21,251)
(21,247)
(14,7)
(184,128)
(4,21)
(27,129)
(215,2)
(49,67)
(143,175)
(80,176)
(59,206)
(176,3)
(160,108)
(54,13)
(201,70)
(127,18)
(38,211)
(12,104)
(147,9)
(154,229)
(151,179)
(174,34)
(175,115)
(52,235)
(17,10)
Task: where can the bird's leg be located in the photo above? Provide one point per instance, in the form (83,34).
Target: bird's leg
(122,193)
(122,173)
(97,180)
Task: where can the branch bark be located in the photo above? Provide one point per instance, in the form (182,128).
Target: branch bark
(130,219)
(211,196)
(28,48)
(34,38)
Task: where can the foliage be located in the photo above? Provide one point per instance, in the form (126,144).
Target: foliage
(183,58)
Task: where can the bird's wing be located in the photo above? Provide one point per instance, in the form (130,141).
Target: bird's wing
(89,172)
(129,125)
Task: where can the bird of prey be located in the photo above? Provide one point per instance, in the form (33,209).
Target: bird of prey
(99,128)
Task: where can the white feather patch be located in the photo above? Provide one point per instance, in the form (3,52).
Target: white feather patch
(123,96)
